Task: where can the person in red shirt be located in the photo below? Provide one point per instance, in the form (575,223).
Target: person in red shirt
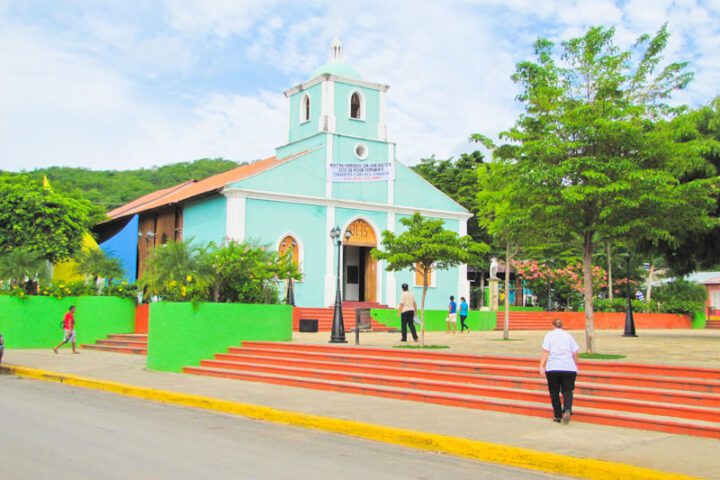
(69,329)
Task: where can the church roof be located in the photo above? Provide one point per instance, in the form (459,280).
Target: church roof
(338,69)
(194,188)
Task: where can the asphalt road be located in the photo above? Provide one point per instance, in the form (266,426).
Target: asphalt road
(55,431)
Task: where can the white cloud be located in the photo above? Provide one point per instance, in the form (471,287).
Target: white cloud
(127,92)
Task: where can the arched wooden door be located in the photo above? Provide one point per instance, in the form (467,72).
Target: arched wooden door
(359,263)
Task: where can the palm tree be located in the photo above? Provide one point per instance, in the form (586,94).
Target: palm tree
(95,264)
(172,262)
(21,266)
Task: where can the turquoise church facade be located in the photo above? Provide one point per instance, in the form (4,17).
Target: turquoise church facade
(338,167)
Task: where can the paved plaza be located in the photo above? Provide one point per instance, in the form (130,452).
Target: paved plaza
(699,348)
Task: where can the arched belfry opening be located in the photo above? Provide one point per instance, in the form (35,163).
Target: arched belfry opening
(359,267)
(355,106)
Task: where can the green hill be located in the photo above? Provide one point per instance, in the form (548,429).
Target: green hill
(109,189)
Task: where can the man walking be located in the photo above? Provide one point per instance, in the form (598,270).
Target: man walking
(407,310)
(69,330)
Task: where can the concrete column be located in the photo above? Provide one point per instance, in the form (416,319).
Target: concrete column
(235,214)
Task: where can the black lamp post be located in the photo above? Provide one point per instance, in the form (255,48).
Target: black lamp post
(629,321)
(290,300)
(290,294)
(338,327)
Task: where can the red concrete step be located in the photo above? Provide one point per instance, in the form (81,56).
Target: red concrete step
(129,336)
(713,324)
(235,361)
(711,374)
(643,421)
(122,343)
(527,395)
(132,343)
(105,348)
(509,371)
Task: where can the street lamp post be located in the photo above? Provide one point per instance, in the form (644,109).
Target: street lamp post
(629,321)
(290,300)
(338,327)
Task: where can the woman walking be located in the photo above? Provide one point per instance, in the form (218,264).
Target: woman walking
(558,363)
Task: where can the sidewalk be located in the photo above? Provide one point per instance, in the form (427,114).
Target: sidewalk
(659,451)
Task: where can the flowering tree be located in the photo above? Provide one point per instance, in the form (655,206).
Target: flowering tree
(564,283)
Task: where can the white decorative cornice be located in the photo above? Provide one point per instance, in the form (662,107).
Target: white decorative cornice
(335,78)
(341,203)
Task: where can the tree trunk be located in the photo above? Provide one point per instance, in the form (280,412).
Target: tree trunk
(609,272)
(587,284)
(651,274)
(422,306)
(506,323)
(482,301)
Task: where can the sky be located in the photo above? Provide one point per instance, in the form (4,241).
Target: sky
(112,84)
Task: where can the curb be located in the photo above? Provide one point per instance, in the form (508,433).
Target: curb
(584,468)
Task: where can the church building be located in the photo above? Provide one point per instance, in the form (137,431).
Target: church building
(338,168)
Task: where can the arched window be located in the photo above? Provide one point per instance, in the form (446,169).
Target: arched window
(305,108)
(356,106)
(289,243)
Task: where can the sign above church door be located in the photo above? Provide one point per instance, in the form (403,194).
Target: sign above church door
(359,172)
(361,234)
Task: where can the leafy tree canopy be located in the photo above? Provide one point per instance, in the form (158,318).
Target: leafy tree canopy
(592,155)
(39,219)
(700,130)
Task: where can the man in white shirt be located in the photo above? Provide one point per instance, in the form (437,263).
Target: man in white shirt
(407,309)
(558,363)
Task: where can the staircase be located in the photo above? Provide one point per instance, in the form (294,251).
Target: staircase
(526,320)
(714,324)
(649,397)
(135,343)
(324,316)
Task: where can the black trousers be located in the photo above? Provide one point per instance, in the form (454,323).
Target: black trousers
(407,321)
(560,381)
(462,323)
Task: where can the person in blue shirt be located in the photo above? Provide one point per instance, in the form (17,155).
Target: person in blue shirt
(452,315)
(463,315)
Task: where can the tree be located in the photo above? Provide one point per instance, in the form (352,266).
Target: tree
(40,220)
(700,130)
(458,179)
(590,157)
(425,245)
(24,267)
(246,273)
(109,189)
(93,263)
(173,271)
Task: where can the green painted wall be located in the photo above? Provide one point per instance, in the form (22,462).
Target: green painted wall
(182,334)
(435,319)
(34,322)
(699,320)
(204,220)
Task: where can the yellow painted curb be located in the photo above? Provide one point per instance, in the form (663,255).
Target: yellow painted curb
(584,468)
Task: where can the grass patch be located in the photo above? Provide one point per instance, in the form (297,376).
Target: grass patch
(601,356)
(422,347)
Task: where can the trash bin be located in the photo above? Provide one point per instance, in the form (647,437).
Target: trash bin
(309,325)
